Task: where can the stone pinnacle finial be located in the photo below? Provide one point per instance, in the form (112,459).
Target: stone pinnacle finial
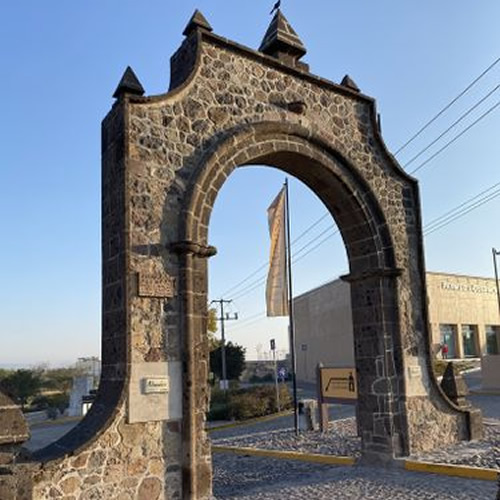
(348,82)
(196,22)
(129,84)
(281,41)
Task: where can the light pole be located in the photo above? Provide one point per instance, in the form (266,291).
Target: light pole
(495,253)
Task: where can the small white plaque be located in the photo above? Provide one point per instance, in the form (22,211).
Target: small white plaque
(155,385)
(163,399)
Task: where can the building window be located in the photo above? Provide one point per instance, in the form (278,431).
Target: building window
(448,343)
(492,334)
(469,341)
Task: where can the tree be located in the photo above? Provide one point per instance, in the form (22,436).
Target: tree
(212,328)
(22,385)
(4,373)
(60,379)
(235,360)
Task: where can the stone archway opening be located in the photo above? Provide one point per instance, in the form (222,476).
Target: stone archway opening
(232,230)
(371,263)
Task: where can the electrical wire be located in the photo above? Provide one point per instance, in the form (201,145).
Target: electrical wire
(449,143)
(259,281)
(452,126)
(266,264)
(436,224)
(448,106)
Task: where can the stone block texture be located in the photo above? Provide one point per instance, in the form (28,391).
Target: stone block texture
(164,160)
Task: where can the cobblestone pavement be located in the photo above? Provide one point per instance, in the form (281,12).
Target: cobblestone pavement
(341,439)
(337,412)
(483,453)
(262,479)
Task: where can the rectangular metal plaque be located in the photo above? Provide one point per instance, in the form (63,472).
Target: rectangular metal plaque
(339,383)
(155,385)
(161,286)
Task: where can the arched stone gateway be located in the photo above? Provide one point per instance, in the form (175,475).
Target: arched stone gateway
(164,160)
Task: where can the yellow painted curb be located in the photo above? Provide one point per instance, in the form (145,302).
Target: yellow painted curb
(250,421)
(286,455)
(453,470)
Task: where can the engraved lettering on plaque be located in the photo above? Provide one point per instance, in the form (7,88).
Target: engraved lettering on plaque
(159,286)
(155,385)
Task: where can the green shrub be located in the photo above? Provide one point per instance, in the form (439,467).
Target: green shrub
(247,405)
(255,379)
(219,412)
(58,401)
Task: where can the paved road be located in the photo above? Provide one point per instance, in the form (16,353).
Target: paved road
(42,435)
(266,479)
(262,478)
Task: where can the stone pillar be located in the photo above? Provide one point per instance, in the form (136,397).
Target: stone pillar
(481,340)
(459,342)
(197,476)
(378,365)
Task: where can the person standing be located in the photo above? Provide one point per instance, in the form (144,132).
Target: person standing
(444,351)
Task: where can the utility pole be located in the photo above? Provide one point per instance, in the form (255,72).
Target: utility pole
(222,318)
(495,253)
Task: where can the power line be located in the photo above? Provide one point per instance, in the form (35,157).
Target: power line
(297,257)
(453,125)
(460,214)
(448,106)
(439,219)
(264,266)
(449,143)
(259,281)
(435,225)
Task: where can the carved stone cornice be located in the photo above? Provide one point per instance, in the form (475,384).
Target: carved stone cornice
(191,247)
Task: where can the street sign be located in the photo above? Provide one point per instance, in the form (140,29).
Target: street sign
(273,344)
(338,383)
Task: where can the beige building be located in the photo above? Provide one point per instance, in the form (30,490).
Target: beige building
(463,314)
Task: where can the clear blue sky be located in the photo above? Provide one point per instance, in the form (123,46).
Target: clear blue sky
(61,62)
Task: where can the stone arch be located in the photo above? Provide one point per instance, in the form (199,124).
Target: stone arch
(164,158)
(368,243)
(313,161)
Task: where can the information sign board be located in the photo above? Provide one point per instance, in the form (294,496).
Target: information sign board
(338,383)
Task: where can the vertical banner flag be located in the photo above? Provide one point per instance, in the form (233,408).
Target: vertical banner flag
(277,289)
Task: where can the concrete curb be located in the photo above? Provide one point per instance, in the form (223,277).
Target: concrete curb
(250,421)
(410,465)
(453,470)
(286,455)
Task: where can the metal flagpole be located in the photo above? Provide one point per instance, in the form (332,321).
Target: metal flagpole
(288,256)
